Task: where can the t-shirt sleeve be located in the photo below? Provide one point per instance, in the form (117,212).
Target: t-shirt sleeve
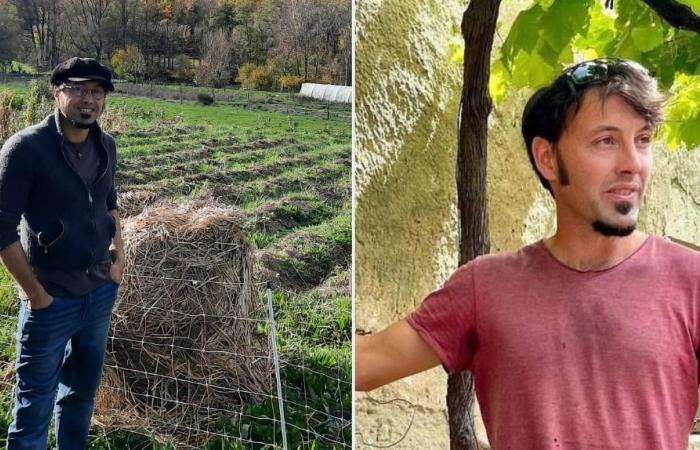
(446,320)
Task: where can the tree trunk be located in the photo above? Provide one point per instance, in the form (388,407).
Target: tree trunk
(124,21)
(478,28)
(54,31)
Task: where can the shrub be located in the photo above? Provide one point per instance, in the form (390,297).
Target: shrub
(129,64)
(8,115)
(205,99)
(38,103)
(182,68)
(252,76)
(156,72)
(244,74)
(117,61)
(291,82)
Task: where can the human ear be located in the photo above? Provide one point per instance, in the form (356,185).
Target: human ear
(545,160)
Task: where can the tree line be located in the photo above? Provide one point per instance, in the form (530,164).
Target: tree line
(262,44)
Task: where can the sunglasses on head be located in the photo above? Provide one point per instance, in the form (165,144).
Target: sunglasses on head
(597,70)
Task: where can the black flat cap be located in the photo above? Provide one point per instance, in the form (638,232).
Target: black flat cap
(82,69)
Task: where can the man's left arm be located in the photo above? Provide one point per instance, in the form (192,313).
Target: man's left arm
(117,250)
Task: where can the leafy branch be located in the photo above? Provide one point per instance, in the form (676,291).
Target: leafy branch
(676,14)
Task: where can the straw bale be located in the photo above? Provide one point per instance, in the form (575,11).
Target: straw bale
(132,203)
(186,350)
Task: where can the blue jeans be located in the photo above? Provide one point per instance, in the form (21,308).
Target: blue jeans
(60,353)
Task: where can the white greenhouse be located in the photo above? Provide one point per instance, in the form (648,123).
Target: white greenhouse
(329,92)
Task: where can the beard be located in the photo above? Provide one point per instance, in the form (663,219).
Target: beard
(84,124)
(610,230)
(79,119)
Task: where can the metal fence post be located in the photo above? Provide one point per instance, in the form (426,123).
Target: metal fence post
(276,358)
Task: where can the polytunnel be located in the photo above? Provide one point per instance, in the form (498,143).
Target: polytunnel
(329,92)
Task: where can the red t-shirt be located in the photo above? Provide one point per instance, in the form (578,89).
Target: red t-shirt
(564,359)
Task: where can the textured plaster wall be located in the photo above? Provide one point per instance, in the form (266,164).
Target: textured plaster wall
(407,97)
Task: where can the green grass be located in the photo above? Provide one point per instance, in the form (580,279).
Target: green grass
(213,116)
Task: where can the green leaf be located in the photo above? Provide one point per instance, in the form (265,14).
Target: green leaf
(524,33)
(498,82)
(694,5)
(543,36)
(563,20)
(601,31)
(648,38)
(532,70)
(682,122)
(545,4)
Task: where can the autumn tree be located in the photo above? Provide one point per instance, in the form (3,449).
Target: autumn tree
(129,64)
(315,43)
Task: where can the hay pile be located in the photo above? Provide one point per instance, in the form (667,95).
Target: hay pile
(132,203)
(185,353)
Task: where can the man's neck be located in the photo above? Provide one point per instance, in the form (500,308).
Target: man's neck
(589,251)
(73,134)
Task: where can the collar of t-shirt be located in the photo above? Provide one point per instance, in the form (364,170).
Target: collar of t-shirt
(83,158)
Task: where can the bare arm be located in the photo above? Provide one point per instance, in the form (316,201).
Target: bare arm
(117,250)
(394,353)
(14,258)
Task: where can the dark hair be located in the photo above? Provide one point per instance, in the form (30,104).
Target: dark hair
(551,108)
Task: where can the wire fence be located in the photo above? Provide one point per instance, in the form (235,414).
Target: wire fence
(299,396)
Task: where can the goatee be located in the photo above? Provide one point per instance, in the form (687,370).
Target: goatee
(605,229)
(623,208)
(612,230)
(82,125)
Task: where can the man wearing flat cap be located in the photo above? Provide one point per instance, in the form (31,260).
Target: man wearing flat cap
(57,189)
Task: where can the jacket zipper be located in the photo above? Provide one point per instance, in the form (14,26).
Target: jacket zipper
(88,188)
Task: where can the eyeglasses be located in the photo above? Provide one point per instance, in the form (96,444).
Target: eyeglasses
(81,91)
(594,71)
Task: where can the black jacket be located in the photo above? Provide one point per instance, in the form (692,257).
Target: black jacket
(64,223)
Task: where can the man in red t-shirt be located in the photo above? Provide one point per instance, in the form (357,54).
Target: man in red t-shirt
(587,339)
